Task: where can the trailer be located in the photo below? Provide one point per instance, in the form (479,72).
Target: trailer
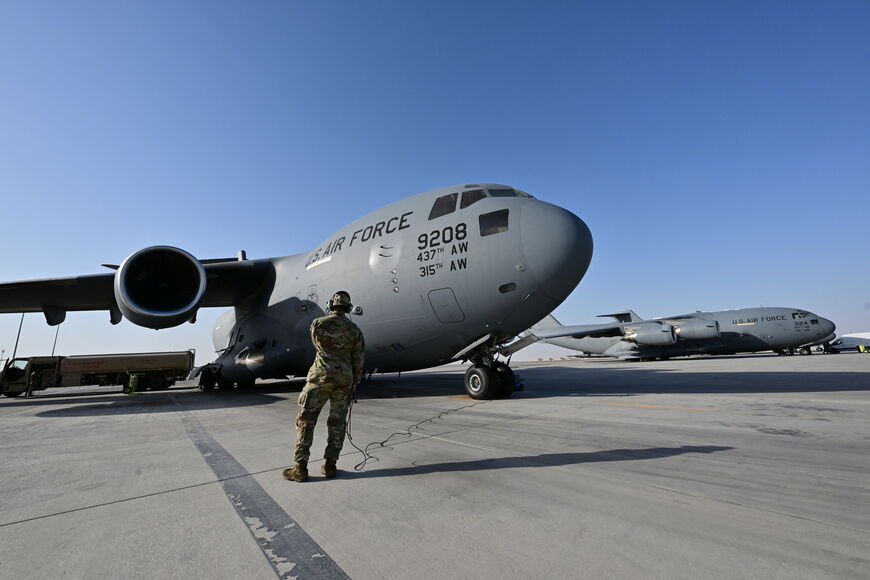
(157,370)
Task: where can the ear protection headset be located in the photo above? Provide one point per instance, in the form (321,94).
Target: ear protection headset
(341,303)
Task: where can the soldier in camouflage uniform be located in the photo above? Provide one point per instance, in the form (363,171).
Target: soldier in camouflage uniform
(337,369)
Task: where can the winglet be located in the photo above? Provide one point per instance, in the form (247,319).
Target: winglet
(625,316)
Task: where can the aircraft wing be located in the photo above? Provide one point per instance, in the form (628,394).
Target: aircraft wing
(652,332)
(581,331)
(550,328)
(93,292)
(228,283)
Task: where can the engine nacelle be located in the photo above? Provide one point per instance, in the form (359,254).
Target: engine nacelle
(159,287)
(697,329)
(652,334)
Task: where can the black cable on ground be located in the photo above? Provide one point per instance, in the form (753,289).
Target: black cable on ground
(407,432)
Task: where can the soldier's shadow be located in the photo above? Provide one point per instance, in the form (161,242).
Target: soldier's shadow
(542,460)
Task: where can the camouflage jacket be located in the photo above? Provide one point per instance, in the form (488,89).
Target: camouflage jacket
(340,345)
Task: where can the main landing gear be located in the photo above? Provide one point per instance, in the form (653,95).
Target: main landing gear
(210,380)
(490,381)
(804,350)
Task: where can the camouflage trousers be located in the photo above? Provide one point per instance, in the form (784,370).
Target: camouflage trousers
(311,401)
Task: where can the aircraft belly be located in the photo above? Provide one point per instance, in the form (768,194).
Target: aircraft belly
(742,342)
(269,343)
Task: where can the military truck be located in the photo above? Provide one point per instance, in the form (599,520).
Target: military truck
(158,370)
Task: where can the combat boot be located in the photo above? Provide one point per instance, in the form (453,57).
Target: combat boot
(298,473)
(328,469)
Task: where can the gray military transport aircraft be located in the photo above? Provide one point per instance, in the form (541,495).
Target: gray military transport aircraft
(450,274)
(781,330)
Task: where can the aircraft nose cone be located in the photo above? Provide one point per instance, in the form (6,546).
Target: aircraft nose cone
(557,247)
(829,326)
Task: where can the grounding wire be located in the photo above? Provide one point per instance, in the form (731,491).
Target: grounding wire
(407,432)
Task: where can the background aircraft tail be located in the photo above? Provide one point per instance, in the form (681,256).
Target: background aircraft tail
(625,316)
(545,323)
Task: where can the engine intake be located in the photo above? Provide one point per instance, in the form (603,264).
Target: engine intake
(652,334)
(697,329)
(159,287)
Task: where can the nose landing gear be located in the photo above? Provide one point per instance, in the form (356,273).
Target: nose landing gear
(490,381)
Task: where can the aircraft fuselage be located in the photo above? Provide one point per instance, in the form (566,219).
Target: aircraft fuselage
(427,277)
(743,330)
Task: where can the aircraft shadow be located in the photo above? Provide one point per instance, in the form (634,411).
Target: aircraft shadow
(561,380)
(41,400)
(542,460)
(384,386)
(266,393)
(540,382)
(557,381)
(161,402)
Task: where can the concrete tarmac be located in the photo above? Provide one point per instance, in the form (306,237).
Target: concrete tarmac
(733,467)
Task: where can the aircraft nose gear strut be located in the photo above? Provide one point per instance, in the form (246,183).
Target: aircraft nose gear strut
(488,378)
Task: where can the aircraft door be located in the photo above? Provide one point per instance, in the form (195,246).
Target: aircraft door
(446,307)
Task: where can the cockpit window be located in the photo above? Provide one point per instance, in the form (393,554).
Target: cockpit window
(471,196)
(814,321)
(494,222)
(443,205)
(506,192)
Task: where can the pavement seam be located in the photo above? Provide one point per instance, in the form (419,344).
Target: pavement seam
(288,548)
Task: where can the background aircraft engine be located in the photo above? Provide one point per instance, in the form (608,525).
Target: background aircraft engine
(159,287)
(653,334)
(697,329)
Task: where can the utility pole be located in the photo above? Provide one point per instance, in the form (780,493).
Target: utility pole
(20,324)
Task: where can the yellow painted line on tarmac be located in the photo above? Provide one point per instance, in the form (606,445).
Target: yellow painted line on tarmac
(647,406)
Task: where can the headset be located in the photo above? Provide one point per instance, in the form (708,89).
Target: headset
(331,304)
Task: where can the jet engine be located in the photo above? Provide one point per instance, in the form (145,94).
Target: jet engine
(697,329)
(159,287)
(652,334)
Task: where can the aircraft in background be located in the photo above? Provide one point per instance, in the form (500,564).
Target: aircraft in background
(450,274)
(781,330)
(850,342)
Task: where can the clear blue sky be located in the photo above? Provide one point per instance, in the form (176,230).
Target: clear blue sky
(719,151)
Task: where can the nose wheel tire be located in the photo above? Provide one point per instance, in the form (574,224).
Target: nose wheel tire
(506,378)
(481,382)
